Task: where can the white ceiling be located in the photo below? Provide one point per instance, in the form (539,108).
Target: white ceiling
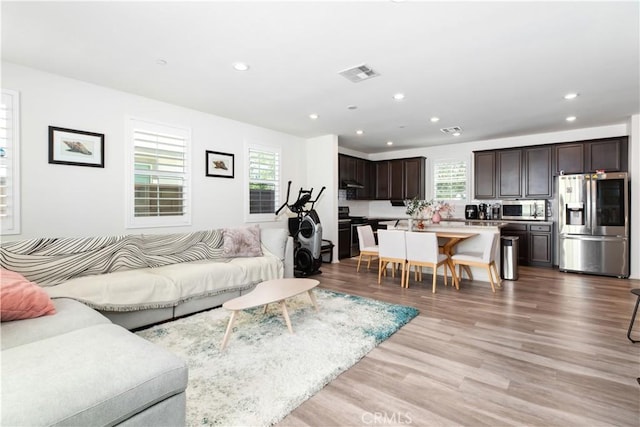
(496,69)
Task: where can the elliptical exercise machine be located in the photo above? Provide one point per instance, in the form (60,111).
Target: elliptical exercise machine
(306,231)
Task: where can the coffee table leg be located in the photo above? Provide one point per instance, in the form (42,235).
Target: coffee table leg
(285,313)
(228,331)
(313,299)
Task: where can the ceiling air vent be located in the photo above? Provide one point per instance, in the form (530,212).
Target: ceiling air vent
(359,73)
(451,130)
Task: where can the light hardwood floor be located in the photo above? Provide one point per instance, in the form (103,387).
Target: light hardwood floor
(547,350)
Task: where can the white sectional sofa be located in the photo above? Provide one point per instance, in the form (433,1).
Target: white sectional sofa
(81,366)
(138,280)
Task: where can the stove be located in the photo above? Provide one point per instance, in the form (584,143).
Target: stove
(348,246)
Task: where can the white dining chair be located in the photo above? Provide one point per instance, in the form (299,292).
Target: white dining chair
(367,243)
(391,249)
(479,251)
(423,251)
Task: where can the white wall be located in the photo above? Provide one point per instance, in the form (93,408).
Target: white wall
(322,171)
(634,171)
(60,200)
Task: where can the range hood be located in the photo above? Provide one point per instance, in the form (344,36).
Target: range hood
(397,203)
(349,183)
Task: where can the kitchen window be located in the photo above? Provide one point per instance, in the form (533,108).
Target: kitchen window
(450,179)
(263,183)
(10,162)
(159,193)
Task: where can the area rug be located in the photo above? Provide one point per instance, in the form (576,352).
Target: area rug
(265,372)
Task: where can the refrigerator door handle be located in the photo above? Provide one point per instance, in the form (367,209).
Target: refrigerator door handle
(591,238)
(590,208)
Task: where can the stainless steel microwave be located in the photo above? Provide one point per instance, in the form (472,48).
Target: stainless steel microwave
(529,210)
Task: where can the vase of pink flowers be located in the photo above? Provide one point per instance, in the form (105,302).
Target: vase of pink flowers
(438,209)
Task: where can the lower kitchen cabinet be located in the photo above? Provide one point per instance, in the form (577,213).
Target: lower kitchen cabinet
(344,241)
(535,243)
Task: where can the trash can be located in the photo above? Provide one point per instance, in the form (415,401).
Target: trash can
(509,260)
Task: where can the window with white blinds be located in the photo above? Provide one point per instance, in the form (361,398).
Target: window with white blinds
(160,185)
(10,163)
(450,179)
(264,182)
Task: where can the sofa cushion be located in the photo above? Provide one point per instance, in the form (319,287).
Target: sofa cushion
(242,242)
(22,299)
(120,291)
(100,375)
(70,315)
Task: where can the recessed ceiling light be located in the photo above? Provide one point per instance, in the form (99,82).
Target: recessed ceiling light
(572,95)
(456,134)
(434,119)
(398,96)
(360,132)
(161,62)
(389,142)
(240,66)
(571,118)
(313,116)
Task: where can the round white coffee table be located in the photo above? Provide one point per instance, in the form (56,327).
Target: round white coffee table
(266,293)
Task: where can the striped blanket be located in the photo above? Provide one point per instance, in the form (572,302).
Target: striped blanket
(51,261)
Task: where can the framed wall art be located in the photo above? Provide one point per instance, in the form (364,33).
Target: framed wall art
(76,147)
(219,164)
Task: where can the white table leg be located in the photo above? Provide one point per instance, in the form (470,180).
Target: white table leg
(285,313)
(313,299)
(228,331)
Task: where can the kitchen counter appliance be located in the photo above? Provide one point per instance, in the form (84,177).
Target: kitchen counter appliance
(471,212)
(593,223)
(529,210)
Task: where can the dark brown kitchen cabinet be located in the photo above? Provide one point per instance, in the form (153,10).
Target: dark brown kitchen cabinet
(396,180)
(365,177)
(538,181)
(535,243)
(414,178)
(400,179)
(540,245)
(484,173)
(509,174)
(346,169)
(383,182)
(608,154)
(569,158)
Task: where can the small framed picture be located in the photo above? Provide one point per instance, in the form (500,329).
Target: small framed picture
(76,147)
(219,164)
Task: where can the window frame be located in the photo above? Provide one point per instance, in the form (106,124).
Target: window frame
(133,123)
(439,160)
(14,226)
(262,217)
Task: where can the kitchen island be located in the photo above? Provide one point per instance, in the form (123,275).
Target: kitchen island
(462,226)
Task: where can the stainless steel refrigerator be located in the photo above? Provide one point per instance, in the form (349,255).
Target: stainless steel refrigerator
(593,223)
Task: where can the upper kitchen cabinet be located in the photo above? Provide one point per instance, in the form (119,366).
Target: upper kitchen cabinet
(569,158)
(400,179)
(538,177)
(609,154)
(357,176)
(509,174)
(414,177)
(383,181)
(484,173)
(519,173)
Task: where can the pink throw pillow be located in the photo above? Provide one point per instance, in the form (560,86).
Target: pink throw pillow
(242,242)
(22,299)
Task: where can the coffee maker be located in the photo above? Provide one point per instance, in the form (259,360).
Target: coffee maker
(482,211)
(471,212)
